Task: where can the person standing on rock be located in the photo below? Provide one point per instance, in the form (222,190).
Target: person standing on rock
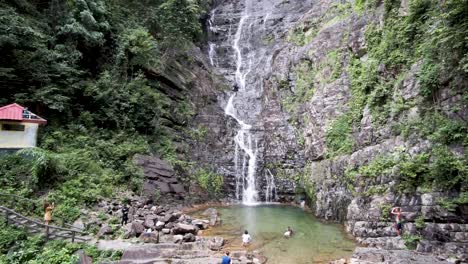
(48,212)
(226,259)
(125,210)
(396,211)
(246,238)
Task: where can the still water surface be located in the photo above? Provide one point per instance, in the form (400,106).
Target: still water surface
(312,242)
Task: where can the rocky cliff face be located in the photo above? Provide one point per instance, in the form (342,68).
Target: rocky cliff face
(331,120)
(313,79)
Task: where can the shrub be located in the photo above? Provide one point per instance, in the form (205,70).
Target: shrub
(385,211)
(209,181)
(419,222)
(411,241)
(338,136)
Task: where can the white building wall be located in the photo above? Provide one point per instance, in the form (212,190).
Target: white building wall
(19,139)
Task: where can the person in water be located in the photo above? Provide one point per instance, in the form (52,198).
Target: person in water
(235,88)
(48,212)
(302,203)
(226,259)
(288,233)
(246,239)
(396,211)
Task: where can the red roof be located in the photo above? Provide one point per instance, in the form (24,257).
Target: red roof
(16,112)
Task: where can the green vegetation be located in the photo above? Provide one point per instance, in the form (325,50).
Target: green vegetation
(419,222)
(92,68)
(304,32)
(210,182)
(199,133)
(411,241)
(437,168)
(385,212)
(451,204)
(338,136)
(304,75)
(35,250)
(428,36)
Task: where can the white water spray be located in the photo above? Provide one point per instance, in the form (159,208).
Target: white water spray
(245,181)
(246,144)
(270,192)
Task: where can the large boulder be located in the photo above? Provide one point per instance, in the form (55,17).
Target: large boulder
(212,213)
(202,224)
(149,221)
(178,239)
(152,237)
(184,229)
(171,217)
(104,230)
(177,188)
(189,237)
(216,243)
(137,228)
(83,258)
(163,187)
(78,224)
(159,225)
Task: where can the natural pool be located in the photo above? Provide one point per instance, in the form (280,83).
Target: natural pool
(312,242)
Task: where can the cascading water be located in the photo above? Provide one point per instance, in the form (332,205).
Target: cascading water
(270,192)
(245,141)
(240,48)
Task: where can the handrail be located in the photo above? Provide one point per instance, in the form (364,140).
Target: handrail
(48,228)
(34,203)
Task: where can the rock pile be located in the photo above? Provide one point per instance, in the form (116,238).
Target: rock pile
(154,223)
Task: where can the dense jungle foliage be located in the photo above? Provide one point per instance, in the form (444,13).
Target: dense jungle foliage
(89,67)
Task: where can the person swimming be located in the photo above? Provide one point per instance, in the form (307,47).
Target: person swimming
(289,232)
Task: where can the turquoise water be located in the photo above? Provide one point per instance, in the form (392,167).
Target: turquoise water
(312,242)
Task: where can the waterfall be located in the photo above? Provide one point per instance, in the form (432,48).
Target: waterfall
(244,142)
(240,48)
(212,54)
(270,192)
(212,46)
